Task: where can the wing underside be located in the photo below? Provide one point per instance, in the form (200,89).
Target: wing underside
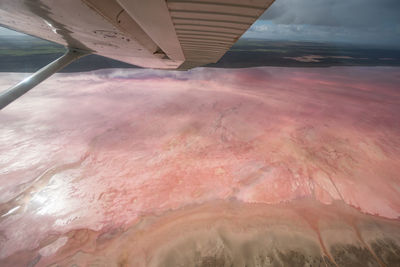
(152,33)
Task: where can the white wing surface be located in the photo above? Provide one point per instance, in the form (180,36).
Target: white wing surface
(172,34)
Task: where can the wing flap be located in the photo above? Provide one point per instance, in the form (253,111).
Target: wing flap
(207,29)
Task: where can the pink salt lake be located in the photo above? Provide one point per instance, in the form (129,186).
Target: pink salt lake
(211,167)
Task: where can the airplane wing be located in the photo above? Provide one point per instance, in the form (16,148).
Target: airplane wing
(162,34)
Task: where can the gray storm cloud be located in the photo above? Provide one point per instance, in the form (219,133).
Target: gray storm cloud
(374,22)
(351,13)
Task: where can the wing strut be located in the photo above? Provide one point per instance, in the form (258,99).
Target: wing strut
(27,84)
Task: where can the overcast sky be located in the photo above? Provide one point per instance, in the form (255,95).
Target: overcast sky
(353,21)
(4,31)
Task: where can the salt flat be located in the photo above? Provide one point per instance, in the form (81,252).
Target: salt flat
(107,165)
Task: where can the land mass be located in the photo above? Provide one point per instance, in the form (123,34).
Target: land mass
(28,54)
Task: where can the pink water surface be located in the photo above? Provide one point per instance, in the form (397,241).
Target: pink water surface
(100,150)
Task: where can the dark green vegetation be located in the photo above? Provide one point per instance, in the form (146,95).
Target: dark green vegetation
(341,255)
(254,53)
(28,54)
(25,46)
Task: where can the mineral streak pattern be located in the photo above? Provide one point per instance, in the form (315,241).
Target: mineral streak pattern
(210,167)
